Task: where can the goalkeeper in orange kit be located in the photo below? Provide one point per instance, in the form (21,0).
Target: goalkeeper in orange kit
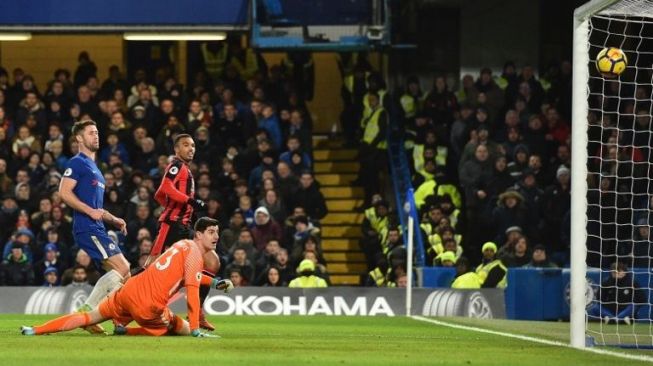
(144,298)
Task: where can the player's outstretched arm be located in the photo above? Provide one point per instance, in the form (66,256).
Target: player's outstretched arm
(68,196)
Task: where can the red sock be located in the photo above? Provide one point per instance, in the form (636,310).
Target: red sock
(66,322)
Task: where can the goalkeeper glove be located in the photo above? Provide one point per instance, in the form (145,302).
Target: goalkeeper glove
(197,333)
(224,285)
(197,205)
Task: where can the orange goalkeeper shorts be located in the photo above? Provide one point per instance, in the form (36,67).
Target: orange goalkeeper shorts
(155,321)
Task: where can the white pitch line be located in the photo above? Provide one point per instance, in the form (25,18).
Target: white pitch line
(534,339)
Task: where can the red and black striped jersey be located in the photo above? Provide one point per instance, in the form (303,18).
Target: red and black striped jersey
(177,186)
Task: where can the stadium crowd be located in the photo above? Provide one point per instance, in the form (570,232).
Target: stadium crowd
(492,164)
(491,167)
(490,160)
(252,166)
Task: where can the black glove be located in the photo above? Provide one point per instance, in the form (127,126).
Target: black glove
(196,204)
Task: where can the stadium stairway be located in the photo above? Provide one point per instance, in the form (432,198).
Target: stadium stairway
(335,168)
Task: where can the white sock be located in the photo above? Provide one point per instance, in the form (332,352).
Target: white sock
(105,286)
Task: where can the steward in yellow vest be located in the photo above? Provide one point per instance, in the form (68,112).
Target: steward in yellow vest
(465,277)
(411,101)
(307,277)
(492,272)
(375,125)
(375,231)
(215,58)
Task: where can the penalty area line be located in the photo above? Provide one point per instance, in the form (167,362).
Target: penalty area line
(534,339)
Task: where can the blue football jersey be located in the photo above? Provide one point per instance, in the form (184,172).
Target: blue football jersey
(89,189)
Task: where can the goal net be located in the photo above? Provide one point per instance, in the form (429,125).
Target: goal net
(612,193)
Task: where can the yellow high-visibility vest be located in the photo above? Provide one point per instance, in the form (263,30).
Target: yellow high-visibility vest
(214,62)
(311,281)
(378,277)
(371,128)
(426,189)
(251,66)
(483,270)
(367,110)
(467,280)
(380,225)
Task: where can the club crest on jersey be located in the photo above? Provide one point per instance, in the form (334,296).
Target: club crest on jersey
(174,170)
(68,172)
(198,275)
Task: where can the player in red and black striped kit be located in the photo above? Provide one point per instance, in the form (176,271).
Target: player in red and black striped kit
(177,195)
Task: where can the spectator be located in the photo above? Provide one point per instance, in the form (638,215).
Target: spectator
(301,227)
(272,202)
(31,106)
(286,272)
(270,123)
(307,277)
(472,174)
(141,219)
(266,229)
(229,128)
(82,259)
(309,196)
(245,241)
(145,159)
(539,258)
(293,145)
(518,255)
(519,163)
(51,259)
(16,268)
(620,297)
(310,244)
(266,258)
(24,137)
(85,69)
(301,130)
(114,82)
(244,266)
(196,118)
(245,206)
(51,277)
(556,201)
(510,211)
(273,278)
(79,278)
(229,236)
(492,272)
(440,104)
(114,146)
(24,237)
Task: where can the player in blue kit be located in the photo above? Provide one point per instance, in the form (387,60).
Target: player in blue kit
(82,189)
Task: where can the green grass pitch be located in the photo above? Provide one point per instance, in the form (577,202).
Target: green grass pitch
(318,340)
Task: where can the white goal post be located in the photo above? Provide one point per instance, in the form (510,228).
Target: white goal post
(624,24)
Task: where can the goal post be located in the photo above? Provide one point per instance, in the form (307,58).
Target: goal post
(606,147)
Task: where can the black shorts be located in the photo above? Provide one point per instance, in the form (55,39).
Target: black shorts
(169,233)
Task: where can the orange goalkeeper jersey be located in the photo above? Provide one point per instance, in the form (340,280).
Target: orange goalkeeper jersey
(181,264)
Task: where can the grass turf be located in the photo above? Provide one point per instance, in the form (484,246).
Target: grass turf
(302,341)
